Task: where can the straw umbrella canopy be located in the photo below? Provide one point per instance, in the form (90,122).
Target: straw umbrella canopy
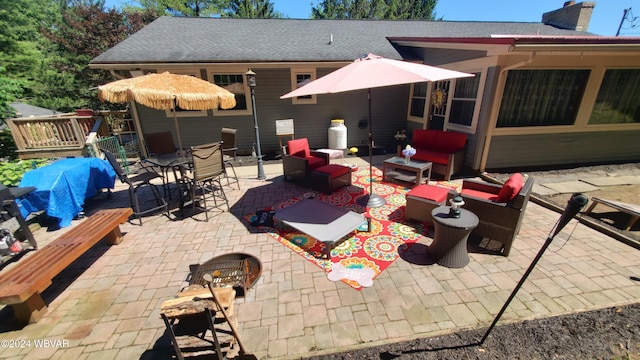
(373,71)
(168,91)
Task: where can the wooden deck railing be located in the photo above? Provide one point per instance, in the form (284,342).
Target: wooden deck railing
(54,136)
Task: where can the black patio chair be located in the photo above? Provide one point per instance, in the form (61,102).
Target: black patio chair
(135,183)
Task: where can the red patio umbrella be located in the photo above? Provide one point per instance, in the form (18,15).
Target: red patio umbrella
(373,71)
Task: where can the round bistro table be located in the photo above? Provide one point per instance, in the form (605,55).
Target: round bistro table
(449,246)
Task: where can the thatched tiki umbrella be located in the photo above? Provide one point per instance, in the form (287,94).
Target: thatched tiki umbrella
(168,91)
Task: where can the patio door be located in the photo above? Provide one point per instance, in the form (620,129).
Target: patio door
(438,107)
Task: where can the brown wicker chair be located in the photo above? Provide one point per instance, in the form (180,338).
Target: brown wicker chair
(298,160)
(499,221)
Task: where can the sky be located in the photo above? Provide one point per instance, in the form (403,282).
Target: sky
(605,20)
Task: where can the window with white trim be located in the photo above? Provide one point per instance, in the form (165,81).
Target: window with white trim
(182,112)
(301,77)
(462,114)
(418,101)
(236,82)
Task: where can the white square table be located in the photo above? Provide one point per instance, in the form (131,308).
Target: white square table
(324,222)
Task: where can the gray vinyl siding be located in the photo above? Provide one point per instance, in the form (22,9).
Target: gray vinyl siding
(389,106)
(436,57)
(563,149)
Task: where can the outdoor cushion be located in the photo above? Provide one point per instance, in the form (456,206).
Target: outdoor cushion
(511,188)
(430,155)
(449,141)
(480,194)
(424,139)
(333,170)
(315,162)
(429,192)
(299,147)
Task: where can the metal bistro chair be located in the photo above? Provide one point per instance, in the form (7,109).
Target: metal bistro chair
(204,181)
(229,150)
(135,183)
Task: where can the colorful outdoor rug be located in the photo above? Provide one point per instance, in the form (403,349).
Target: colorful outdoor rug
(364,254)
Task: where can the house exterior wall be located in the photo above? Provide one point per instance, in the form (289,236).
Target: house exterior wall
(310,120)
(535,150)
(437,57)
(490,147)
(561,145)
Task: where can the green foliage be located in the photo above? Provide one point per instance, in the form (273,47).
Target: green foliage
(7,145)
(374,9)
(204,8)
(251,9)
(10,90)
(85,31)
(11,172)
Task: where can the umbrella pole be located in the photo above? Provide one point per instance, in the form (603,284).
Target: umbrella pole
(175,119)
(373,200)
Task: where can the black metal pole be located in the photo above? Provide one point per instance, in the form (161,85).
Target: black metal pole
(261,175)
(574,205)
(373,201)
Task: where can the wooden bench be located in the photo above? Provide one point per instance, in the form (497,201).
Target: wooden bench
(630,209)
(21,286)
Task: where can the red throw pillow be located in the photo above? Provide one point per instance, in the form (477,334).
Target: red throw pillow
(511,188)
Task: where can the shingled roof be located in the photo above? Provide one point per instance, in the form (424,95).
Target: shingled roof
(225,40)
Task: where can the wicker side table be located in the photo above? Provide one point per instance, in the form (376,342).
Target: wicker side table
(449,246)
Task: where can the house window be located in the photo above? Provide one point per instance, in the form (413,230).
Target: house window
(463,103)
(542,97)
(301,77)
(236,83)
(179,111)
(618,100)
(418,101)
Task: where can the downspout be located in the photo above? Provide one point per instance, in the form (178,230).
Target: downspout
(494,119)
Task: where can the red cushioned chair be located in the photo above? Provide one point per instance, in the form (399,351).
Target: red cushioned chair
(500,208)
(299,161)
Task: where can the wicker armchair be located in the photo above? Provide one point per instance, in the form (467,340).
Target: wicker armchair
(500,220)
(298,160)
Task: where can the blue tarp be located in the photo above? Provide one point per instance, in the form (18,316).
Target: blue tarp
(63,186)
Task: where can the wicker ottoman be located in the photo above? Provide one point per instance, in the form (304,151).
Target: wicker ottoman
(421,200)
(329,178)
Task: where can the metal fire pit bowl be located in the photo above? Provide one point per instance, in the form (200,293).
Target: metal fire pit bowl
(238,270)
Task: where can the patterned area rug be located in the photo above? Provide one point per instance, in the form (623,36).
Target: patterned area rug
(364,254)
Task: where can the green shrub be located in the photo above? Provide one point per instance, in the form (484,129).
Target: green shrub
(7,145)
(11,172)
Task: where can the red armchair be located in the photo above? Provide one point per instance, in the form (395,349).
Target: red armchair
(499,208)
(298,160)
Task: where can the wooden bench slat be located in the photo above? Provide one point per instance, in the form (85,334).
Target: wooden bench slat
(21,285)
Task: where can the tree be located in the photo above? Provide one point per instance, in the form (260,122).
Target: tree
(331,9)
(23,49)
(10,90)
(412,9)
(251,9)
(205,8)
(85,31)
(374,9)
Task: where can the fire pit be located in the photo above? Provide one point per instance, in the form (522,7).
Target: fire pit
(239,270)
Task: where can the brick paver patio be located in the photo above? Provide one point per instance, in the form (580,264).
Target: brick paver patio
(106,306)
